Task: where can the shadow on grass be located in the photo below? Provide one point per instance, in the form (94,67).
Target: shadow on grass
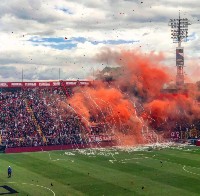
(7,190)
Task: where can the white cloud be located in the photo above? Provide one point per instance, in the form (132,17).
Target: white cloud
(22,21)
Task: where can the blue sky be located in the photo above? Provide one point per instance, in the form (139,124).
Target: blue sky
(61,43)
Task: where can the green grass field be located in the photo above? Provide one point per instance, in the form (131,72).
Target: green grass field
(168,171)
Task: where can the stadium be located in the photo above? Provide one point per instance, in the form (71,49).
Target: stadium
(38,117)
(94,100)
(53,150)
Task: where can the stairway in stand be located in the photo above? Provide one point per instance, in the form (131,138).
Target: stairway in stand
(64,88)
(30,111)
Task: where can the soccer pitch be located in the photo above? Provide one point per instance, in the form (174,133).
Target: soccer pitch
(114,171)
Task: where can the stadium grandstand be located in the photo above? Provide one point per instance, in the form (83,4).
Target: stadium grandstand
(33,117)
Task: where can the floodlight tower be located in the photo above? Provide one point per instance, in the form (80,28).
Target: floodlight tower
(179,33)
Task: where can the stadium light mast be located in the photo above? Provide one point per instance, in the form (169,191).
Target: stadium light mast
(179,34)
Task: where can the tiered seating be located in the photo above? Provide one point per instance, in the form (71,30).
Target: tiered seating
(30,111)
(58,125)
(16,125)
(39,116)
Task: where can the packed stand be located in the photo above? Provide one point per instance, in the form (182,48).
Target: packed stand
(16,125)
(57,124)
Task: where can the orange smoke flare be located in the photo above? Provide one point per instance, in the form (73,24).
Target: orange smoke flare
(139,81)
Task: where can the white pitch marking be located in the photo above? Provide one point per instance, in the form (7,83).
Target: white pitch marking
(190,171)
(124,160)
(33,185)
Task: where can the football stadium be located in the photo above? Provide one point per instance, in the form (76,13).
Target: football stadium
(94,100)
(54,148)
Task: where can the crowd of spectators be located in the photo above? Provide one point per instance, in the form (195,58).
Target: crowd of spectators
(16,125)
(58,124)
(52,115)
(42,116)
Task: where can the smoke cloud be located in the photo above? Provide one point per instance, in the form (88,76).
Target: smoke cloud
(133,106)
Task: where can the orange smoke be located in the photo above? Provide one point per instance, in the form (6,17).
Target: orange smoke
(108,106)
(139,82)
(141,74)
(174,112)
(144,72)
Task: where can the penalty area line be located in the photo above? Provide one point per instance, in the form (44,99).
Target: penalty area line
(126,160)
(190,171)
